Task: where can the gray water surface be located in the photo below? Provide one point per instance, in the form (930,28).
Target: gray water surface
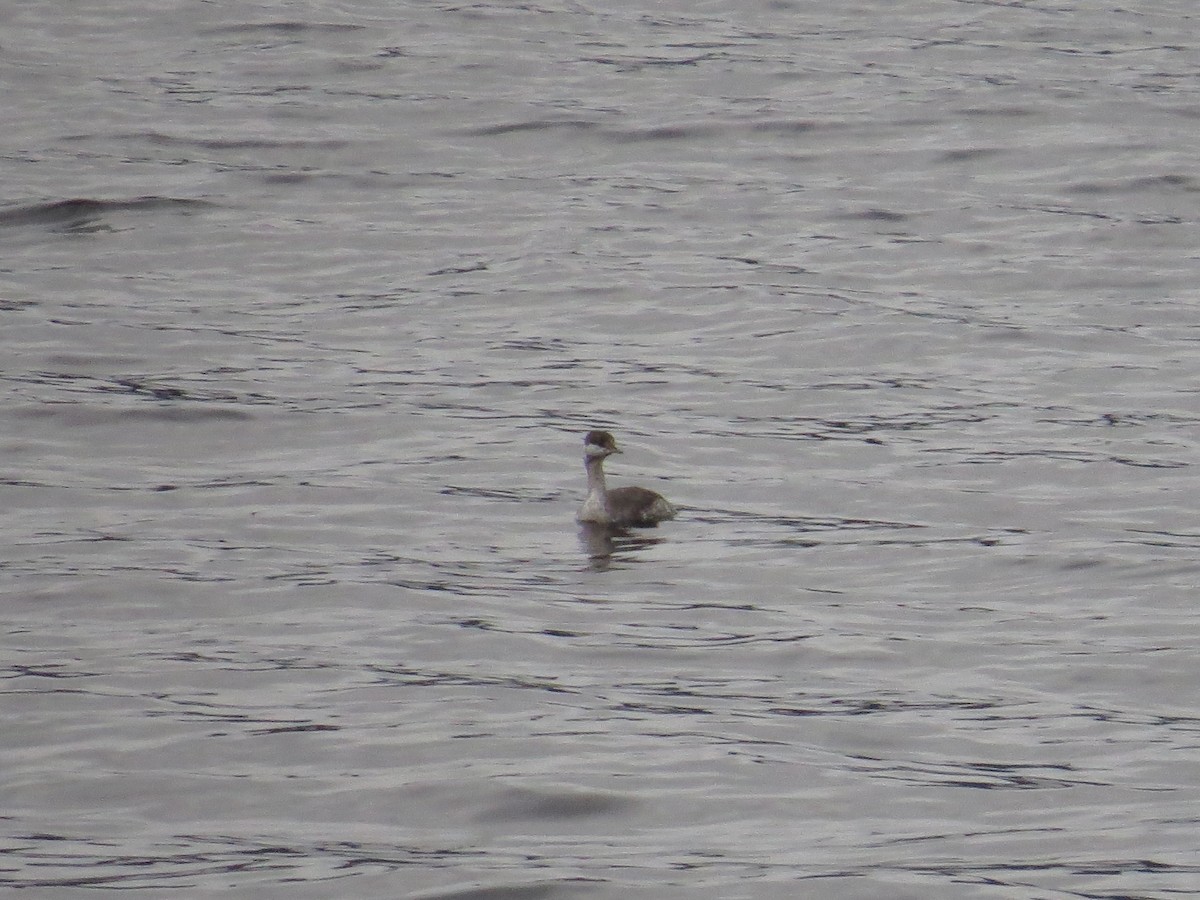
(305,310)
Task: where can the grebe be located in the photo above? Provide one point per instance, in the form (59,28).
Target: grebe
(622,506)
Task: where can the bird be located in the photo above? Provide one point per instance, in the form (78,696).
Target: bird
(621,507)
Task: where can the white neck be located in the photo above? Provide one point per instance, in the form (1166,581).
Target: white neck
(595,476)
(595,506)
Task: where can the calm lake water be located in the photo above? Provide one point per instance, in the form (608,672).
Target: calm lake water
(306,307)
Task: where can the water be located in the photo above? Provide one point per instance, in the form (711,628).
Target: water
(307,306)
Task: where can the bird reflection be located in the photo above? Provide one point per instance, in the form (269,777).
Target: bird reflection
(604,542)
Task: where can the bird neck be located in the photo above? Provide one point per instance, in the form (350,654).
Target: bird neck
(595,476)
